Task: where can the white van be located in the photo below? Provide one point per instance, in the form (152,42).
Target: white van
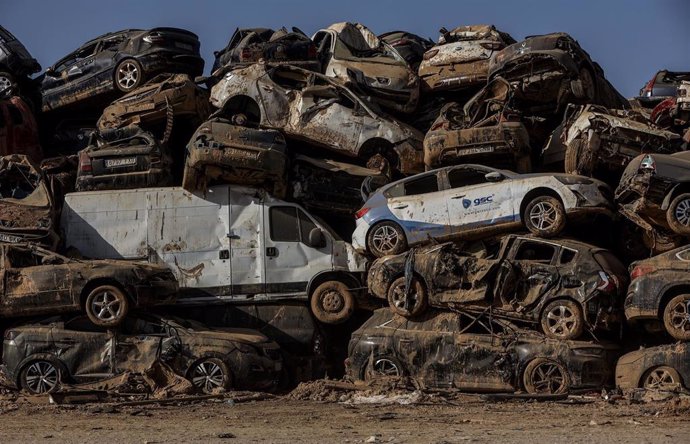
(231,243)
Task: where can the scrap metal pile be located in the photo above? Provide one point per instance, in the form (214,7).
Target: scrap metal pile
(141,203)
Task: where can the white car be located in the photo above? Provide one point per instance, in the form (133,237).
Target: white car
(465,200)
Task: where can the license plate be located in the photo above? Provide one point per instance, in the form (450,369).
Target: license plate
(114,163)
(479,150)
(9,238)
(185,46)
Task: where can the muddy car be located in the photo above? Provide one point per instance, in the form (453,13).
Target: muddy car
(331,186)
(662,85)
(674,113)
(653,194)
(123,159)
(27,208)
(18,129)
(15,62)
(152,105)
(565,286)
(485,131)
(40,357)
(410,47)
(249,45)
(665,367)
(469,200)
(353,54)
(600,142)
(658,295)
(117,63)
(448,350)
(552,70)
(39,282)
(461,58)
(222,152)
(314,108)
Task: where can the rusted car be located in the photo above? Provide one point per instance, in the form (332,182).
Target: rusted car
(39,357)
(27,207)
(16,64)
(565,286)
(18,129)
(40,282)
(353,54)
(222,152)
(312,107)
(331,186)
(600,142)
(653,194)
(552,70)
(664,367)
(461,58)
(249,45)
(165,97)
(448,350)
(658,296)
(485,131)
(123,159)
(409,46)
(117,63)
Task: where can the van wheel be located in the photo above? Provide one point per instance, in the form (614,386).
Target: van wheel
(332,302)
(678,214)
(107,306)
(411,304)
(386,238)
(544,216)
(677,317)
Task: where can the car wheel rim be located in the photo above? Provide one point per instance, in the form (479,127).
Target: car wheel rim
(332,301)
(127,75)
(42,377)
(548,378)
(405,302)
(682,212)
(208,376)
(543,215)
(680,316)
(5,83)
(106,306)
(386,367)
(660,379)
(385,239)
(561,321)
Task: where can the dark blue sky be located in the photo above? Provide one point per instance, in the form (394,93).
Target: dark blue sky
(631,39)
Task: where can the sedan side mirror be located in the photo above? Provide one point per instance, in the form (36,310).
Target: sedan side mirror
(316,238)
(494,176)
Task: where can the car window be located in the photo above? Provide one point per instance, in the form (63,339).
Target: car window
(305,225)
(536,252)
(22,257)
(426,184)
(112,44)
(84,324)
(284,225)
(463,177)
(567,256)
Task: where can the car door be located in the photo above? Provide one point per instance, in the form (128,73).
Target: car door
(476,202)
(35,282)
(86,350)
(419,203)
(139,343)
(246,245)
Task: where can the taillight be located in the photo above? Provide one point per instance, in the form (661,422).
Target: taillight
(641,270)
(647,90)
(648,163)
(154,38)
(359,214)
(311,52)
(606,284)
(429,54)
(491,45)
(10,335)
(85,162)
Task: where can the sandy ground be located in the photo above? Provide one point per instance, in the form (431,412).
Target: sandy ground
(312,415)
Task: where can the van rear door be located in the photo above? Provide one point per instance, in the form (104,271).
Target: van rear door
(246,244)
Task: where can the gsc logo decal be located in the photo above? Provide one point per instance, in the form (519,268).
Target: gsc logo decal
(466,203)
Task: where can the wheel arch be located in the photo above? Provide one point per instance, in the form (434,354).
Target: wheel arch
(345,277)
(669,294)
(65,374)
(244,103)
(651,368)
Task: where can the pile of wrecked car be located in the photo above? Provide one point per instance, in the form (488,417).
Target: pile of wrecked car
(459,212)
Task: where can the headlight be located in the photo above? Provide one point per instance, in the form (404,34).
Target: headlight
(573,180)
(244,348)
(588,351)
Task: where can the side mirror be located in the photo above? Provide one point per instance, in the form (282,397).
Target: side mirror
(316,238)
(494,176)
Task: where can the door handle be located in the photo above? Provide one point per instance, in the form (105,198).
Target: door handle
(271,251)
(400,207)
(233,236)
(224,254)
(458,196)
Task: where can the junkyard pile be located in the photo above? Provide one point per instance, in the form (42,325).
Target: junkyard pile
(170,228)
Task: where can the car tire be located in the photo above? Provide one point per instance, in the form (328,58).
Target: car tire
(386,238)
(678,214)
(544,216)
(544,376)
(128,75)
(208,375)
(382,366)
(677,317)
(107,306)
(332,302)
(661,378)
(40,377)
(398,302)
(562,319)
(8,85)
(573,163)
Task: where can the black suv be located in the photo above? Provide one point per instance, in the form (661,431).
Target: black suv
(117,63)
(15,61)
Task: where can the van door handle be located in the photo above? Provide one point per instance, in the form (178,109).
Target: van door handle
(400,207)
(458,196)
(224,254)
(271,251)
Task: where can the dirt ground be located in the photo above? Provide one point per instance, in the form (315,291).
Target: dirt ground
(311,414)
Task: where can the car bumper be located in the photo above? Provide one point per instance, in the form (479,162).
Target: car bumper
(141,179)
(454,76)
(359,236)
(232,161)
